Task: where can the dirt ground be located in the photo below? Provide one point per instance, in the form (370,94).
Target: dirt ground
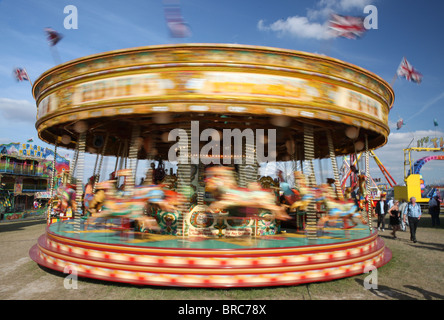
(415,272)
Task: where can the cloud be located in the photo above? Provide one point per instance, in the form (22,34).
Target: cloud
(315,24)
(297,26)
(17,111)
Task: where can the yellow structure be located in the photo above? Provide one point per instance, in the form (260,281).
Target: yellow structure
(411,189)
(412,180)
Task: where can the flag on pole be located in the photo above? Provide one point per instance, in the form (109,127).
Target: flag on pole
(407,71)
(176,24)
(21,74)
(349,27)
(399,124)
(53,36)
(435,122)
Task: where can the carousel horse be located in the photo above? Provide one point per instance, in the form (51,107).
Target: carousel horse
(307,194)
(347,193)
(67,205)
(290,195)
(95,204)
(88,195)
(339,209)
(119,205)
(361,184)
(122,204)
(170,198)
(222,184)
(365,199)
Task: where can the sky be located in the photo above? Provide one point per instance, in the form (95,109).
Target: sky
(407,28)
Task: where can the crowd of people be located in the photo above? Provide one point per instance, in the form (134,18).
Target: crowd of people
(403,214)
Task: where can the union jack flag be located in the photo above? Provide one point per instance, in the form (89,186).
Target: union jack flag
(21,74)
(53,36)
(347,26)
(407,71)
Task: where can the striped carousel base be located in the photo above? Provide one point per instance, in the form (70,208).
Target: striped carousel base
(168,260)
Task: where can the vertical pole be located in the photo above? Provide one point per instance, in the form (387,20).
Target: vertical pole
(132,155)
(118,156)
(251,164)
(79,182)
(73,164)
(367,178)
(309,156)
(250,171)
(184,176)
(97,177)
(241,179)
(123,152)
(48,219)
(95,164)
(334,164)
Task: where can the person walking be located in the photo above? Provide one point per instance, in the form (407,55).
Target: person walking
(391,202)
(434,209)
(413,212)
(394,218)
(402,217)
(381,210)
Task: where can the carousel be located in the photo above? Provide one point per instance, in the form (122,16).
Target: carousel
(216,112)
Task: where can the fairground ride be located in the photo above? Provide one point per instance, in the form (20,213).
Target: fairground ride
(352,168)
(318,106)
(414,183)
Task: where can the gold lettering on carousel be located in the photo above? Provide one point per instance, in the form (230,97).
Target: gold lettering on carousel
(145,85)
(363,104)
(44,106)
(113,88)
(283,90)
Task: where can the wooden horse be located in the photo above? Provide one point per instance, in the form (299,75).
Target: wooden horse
(67,205)
(307,194)
(221,182)
(123,204)
(338,209)
(115,205)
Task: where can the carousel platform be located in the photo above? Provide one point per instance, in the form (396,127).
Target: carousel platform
(288,258)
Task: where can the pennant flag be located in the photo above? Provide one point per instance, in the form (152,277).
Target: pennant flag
(176,24)
(399,124)
(407,71)
(347,26)
(53,36)
(30,140)
(21,74)
(435,122)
